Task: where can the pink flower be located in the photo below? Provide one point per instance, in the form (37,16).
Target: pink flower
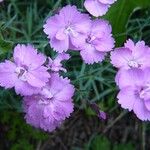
(64,29)
(97,42)
(98,7)
(26,74)
(131,56)
(134,92)
(52,106)
(56,64)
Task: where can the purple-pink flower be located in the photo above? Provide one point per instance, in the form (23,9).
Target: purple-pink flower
(134,92)
(56,64)
(65,29)
(98,7)
(52,106)
(26,74)
(97,42)
(131,56)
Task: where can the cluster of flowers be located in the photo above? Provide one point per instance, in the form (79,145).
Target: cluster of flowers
(73,30)
(133,77)
(47,97)
(133,62)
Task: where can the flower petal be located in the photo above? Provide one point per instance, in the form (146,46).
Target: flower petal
(90,55)
(8,77)
(141,111)
(60,45)
(96,8)
(28,56)
(120,57)
(127,98)
(24,89)
(38,77)
(132,77)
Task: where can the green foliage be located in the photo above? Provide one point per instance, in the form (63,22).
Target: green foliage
(93,83)
(102,143)
(119,14)
(22,144)
(138,26)
(127,146)
(5,45)
(19,135)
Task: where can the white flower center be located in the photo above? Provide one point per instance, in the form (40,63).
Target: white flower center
(69,30)
(46,93)
(46,96)
(133,64)
(21,72)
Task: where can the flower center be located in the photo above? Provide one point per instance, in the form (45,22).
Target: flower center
(133,64)
(90,39)
(69,30)
(145,92)
(46,93)
(21,72)
(46,96)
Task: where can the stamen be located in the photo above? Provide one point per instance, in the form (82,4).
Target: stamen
(133,64)
(46,93)
(21,72)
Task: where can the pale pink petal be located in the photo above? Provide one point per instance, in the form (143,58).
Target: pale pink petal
(25,89)
(141,111)
(141,53)
(127,98)
(101,28)
(60,45)
(65,93)
(107,1)
(38,77)
(60,35)
(105,44)
(120,57)
(28,56)
(69,14)
(91,55)
(8,76)
(67,106)
(82,23)
(131,77)
(129,44)
(147,104)
(52,25)
(56,79)
(96,8)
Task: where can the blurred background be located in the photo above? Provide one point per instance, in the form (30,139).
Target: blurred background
(22,22)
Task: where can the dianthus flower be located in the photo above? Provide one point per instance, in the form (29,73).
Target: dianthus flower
(131,56)
(52,106)
(98,7)
(26,74)
(97,42)
(65,29)
(56,64)
(134,92)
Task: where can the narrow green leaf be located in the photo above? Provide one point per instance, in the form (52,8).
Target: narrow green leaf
(5,46)
(119,14)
